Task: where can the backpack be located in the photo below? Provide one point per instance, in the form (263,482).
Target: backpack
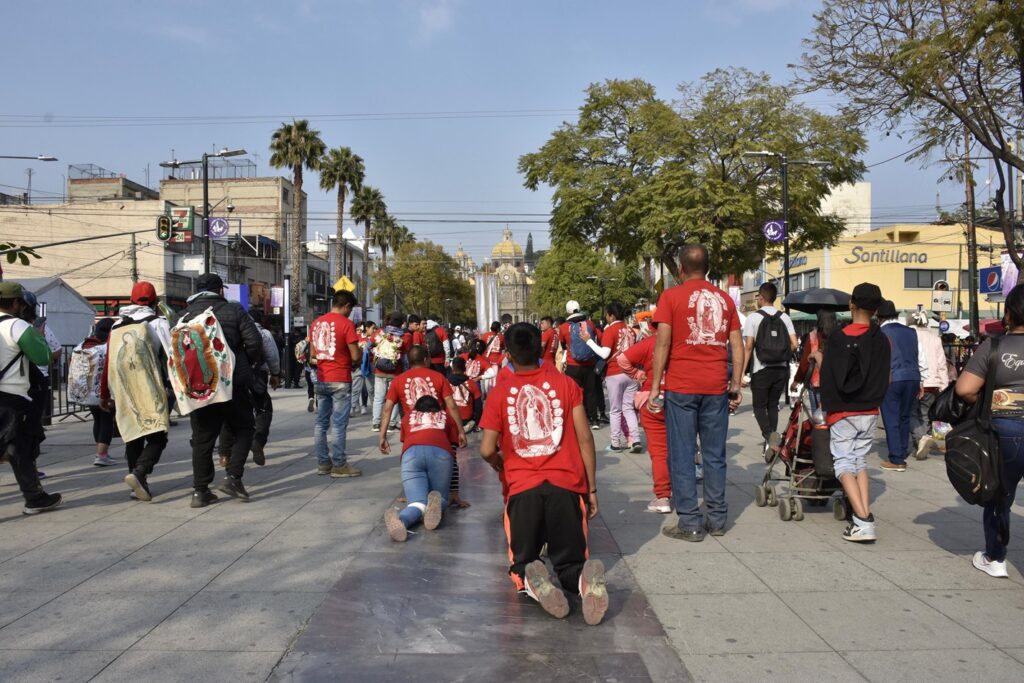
(201,362)
(135,381)
(772,341)
(435,348)
(387,352)
(84,370)
(579,349)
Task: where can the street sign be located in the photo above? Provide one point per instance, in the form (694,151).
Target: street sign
(942,299)
(774,231)
(944,327)
(163,228)
(181,224)
(218,228)
(991,280)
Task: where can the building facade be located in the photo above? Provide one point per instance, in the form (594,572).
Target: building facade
(508,266)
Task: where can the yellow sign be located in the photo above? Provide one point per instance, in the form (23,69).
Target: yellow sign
(344,283)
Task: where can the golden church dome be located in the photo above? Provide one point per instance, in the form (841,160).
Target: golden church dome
(506,249)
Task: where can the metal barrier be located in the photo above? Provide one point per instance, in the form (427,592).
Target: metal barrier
(958,354)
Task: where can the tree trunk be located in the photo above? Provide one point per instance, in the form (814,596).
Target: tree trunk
(366,270)
(297,290)
(340,247)
(648,285)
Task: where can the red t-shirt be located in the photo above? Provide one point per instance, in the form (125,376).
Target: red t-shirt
(495,347)
(329,337)
(565,336)
(429,429)
(465,396)
(442,337)
(851,330)
(413,384)
(532,413)
(475,367)
(641,355)
(549,344)
(702,317)
(617,337)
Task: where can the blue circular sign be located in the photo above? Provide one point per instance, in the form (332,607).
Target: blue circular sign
(218,227)
(774,231)
(944,327)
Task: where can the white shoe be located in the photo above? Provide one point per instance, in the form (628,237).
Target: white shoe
(659,505)
(924,446)
(860,533)
(996,569)
(103,461)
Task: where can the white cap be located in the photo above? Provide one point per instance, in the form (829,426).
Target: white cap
(458,328)
(572,307)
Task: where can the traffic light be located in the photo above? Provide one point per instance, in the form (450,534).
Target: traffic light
(163,228)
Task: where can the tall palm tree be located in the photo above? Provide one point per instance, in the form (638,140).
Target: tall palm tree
(367,206)
(384,228)
(341,169)
(296,146)
(400,236)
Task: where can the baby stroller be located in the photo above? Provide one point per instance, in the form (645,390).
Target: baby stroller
(806,458)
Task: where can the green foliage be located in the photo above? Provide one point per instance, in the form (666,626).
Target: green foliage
(640,178)
(15,253)
(562,273)
(421,278)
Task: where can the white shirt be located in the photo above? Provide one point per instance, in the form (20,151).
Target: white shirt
(750,326)
(15,380)
(53,343)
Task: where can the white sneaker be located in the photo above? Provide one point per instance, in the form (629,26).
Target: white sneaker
(860,533)
(996,569)
(924,446)
(103,461)
(659,505)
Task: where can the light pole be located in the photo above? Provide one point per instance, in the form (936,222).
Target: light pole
(205,162)
(444,311)
(38,157)
(784,164)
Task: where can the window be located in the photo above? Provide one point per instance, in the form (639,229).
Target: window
(806,280)
(965,280)
(917,278)
(811,279)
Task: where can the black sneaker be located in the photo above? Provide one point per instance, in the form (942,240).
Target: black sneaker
(203,497)
(714,530)
(44,503)
(137,483)
(258,456)
(682,534)
(233,487)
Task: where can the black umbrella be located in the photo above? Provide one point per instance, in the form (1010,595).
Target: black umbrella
(818,299)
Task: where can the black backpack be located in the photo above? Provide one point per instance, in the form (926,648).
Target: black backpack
(772,341)
(435,349)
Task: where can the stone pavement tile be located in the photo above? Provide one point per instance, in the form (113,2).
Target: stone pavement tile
(234,622)
(952,536)
(721,624)
(123,536)
(187,569)
(224,536)
(776,666)
(925,512)
(936,666)
(170,504)
(343,512)
(813,571)
(17,604)
(995,615)
(282,570)
(889,537)
(637,540)
(56,567)
(315,536)
(1016,653)
(927,570)
(688,573)
(770,537)
(16,538)
(33,666)
(138,666)
(475,530)
(102,621)
(878,621)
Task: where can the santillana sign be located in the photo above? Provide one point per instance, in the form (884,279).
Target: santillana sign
(862,255)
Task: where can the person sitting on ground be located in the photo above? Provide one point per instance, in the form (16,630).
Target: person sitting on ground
(854,380)
(427,438)
(548,468)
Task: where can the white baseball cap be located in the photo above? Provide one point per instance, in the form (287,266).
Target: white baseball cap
(572,307)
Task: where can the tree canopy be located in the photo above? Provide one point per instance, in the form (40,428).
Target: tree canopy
(421,278)
(562,273)
(639,176)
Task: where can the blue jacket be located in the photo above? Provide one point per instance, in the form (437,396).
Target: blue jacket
(904,362)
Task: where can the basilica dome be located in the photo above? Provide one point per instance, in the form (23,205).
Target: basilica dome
(506,249)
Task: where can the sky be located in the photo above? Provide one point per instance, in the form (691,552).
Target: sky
(440,97)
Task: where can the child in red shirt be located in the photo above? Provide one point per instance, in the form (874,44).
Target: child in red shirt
(466,393)
(548,466)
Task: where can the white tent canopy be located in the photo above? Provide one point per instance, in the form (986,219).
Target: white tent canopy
(68,314)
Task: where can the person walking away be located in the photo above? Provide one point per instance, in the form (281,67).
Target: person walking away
(580,359)
(21,426)
(428,435)
(769,343)
(537,437)
(335,345)
(697,328)
(438,346)
(1007,421)
(638,362)
(812,351)
(934,379)
(494,344)
(467,395)
(362,379)
(388,359)
(458,341)
(246,344)
(548,341)
(854,380)
(84,371)
(615,340)
(905,386)
(56,350)
(599,377)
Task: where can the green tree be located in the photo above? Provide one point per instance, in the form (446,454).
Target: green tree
(296,146)
(368,207)
(422,277)
(640,178)
(573,270)
(400,236)
(342,169)
(936,67)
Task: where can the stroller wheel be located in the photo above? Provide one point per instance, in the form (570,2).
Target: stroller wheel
(760,496)
(840,510)
(798,509)
(785,511)
(772,498)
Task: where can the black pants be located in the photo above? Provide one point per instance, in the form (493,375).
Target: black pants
(309,382)
(599,398)
(586,378)
(263,408)
(552,515)
(144,452)
(24,448)
(766,388)
(206,426)
(102,425)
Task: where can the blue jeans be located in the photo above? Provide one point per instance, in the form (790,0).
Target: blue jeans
(380,390)
(424,469)
(897,407)
(686,416)
(1011,447)
(335,406)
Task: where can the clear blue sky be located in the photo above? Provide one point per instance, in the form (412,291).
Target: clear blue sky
(123,58)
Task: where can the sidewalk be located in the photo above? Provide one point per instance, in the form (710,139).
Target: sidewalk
(302,583)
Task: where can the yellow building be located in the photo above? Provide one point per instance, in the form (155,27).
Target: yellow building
(904,260)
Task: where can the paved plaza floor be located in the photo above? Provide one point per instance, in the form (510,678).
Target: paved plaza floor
(303,583)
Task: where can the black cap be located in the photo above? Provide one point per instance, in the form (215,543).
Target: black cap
(887,309)
(209,282)
(867,296)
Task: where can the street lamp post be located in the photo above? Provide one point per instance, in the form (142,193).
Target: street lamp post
(444,310)
(38,157)
(205,163)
